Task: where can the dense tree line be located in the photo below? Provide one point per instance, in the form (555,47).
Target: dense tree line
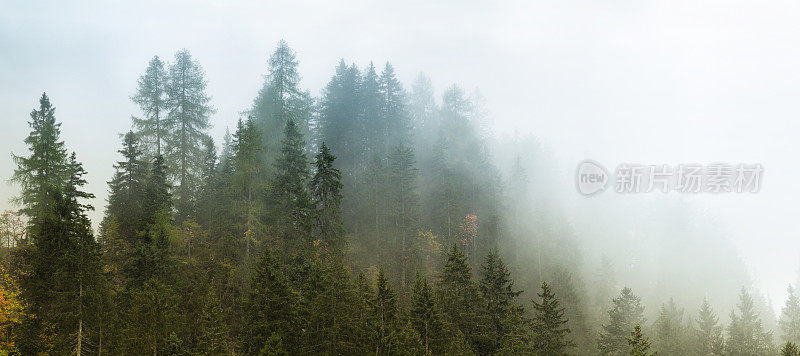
(370,220)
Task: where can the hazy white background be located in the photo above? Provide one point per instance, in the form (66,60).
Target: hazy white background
(616,81)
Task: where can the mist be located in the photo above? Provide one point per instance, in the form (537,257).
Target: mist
(544,86)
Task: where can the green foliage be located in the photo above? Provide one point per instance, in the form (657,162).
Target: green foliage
(187,121)
(639,344)
(671,334)
(503,318)
(270,307)
(746,336)
(151,97)
(789,322)
(549,325)
(327,198)
(789,349)
(623,316)
(709,333)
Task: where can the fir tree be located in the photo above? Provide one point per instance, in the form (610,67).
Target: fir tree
(385,313)
(151,96)
(425,317)
(393,109)
(789,322)
(504,316)
(187,120)
(549,325)
(281,99)
(626,313)
(709,333)
(326,193)
(746,336)
(248,166)
(459,297)
(44,171)
(670,332)
(789,349)
(291,200)
(213,333)
(639,344)
(270,308)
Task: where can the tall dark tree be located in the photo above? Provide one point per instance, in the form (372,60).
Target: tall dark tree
(401,191)
(385,313)
(151,96)
(425,316)
(247,182)
(270,307)
(187,122)
(290,197)
(393,109)
(505,324)
(460,302)
(45,170)
(326,193)
(340,121)
(549,325)
(626,313)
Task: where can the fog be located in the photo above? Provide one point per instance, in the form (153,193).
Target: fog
(614,81)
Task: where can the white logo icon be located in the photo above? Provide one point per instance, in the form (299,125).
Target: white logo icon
(591,177)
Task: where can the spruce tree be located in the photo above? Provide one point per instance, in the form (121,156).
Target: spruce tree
(291,202)
(460,301)
(44,171)
(505,323)
(746,335)
(385,314)
(425,317)
(671,336)
(246,181)
(187,123)
(549,325)
(639,344)
(401,190)
(790,349)
(281,99)
(270,307)
(393,109)
(326,193)
(151,96)
(789,322)
(625,314)
(709,332)
(340,118)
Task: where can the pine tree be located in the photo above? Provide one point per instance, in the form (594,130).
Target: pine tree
(709,333)
(63,279)
(385,314)
(290,196)
(403,202)
(271,306)
(459,297)
(187,122)
(789,349)
(504,316)
(208,176)
(746,336)
(151,96)
(789,322)
(549,325)
(639,344)
(626,313)
(393,109)
(326,189)
(670,333)
(45,169)
(213,336)
(281,99)
(373,132)
(425,317)
(248,167)
(341,121)
(125,200)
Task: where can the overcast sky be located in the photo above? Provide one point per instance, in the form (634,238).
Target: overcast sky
(616,81)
